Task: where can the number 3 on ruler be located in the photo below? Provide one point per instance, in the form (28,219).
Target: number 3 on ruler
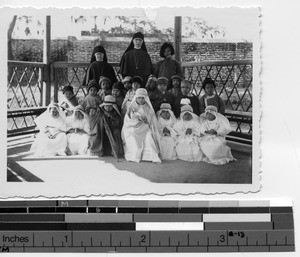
(222,238)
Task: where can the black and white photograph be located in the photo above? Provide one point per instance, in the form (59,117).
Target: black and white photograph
(132,101)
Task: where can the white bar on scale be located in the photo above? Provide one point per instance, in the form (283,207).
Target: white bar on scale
(162,226)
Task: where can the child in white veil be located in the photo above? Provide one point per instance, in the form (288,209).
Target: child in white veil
(139,133)
(166,121)
(188,135)
(214,127)
(52,138)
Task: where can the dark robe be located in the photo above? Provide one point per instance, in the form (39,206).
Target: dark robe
(167,68)
(194,103)
(105,136)
(156,99)
(98,69)
(136,62)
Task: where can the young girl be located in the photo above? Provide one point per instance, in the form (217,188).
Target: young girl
(99,67)
(167,67)
(210,97)
(162,84)
(69,102)
(118,92)
(136,83)
(92,100)
(188,135)
(52,138)
(136,61)
(165,122)
(154,94)
(111,124)
(78,130)
(127,84)
(140,134)
(105,88)
(213,144)
(174,85)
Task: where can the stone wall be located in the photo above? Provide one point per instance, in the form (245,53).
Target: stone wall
(73,50)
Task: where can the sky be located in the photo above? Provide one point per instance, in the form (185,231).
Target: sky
(239,24)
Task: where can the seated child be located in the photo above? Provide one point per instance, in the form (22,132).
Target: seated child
(105,88)
(162,84)
(136,83)
(127,84)
(92,101)
(78,130)
(111,126)
(210,97)
(52,138)
(174,85)
(69,101)
(188,135)
(165,122)
(118,93)
(139,133)
(213,144)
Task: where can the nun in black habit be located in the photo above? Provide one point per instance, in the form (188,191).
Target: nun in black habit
(99,67)
(136,60)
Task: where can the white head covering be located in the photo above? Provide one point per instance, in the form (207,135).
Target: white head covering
(220,119)
(166,107)
(185,101)
(46,118)
(73,122)
(111,101)
(188,108)
(140,92)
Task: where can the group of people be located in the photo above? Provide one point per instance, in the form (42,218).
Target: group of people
(151,115)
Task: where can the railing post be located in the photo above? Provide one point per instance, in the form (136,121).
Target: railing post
(177,38)
(46,59)
(41,85)
(54,70)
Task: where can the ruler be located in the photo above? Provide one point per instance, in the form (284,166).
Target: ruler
(146,226)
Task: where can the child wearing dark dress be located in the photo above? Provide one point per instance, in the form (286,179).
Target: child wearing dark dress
(210,97)
(118,92)
(174,85)
(69,102)
(167,67)
(162,85)
(105,87)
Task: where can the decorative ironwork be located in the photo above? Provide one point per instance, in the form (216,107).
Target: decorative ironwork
(24,89)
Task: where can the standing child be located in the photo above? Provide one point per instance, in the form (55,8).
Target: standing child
(213,144)
(167,67)
(111,125)
(174,85)
(162,84)
(186,92)
(210,97)
(69,102)
(92,101)
(127,84)
(136,84)
(165,123)
(154,94)
(188,135)
(140,134)
(118,92)
(105,87)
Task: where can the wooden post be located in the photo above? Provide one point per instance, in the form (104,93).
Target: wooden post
(177,37)
(46,60)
